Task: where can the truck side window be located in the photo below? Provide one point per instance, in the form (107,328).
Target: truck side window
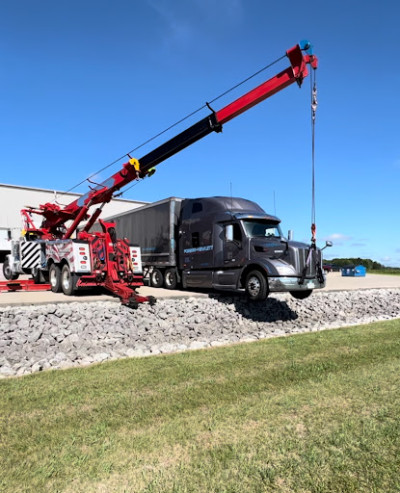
(233,232)
(195,240)
(206,237)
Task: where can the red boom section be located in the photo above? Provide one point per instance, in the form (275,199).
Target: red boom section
(295,73)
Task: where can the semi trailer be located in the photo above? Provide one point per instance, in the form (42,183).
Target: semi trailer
(223,243)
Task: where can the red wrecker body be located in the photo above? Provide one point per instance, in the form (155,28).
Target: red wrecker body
(95,259)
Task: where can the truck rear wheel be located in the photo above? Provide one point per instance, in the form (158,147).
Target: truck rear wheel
(156,278)
(170,279)
(8,274)
(301,295)
(68,280)
(256,286)
(55,278)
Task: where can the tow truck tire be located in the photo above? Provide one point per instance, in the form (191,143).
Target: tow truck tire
(256,286)
(68,281)
(170,279)
(55,278)
(301,295)
(7,272)
(156,278)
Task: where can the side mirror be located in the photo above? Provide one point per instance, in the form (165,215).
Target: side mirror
(290,235)
(327,244)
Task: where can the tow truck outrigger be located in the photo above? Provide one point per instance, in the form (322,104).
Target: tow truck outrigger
(96,259)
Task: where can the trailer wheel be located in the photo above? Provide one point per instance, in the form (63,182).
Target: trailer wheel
(55,278)
(8,274)
(301,295)
(256,286)
(170,279)
(156,278)
(68,280)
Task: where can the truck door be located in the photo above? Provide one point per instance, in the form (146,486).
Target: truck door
(233,256)
(197,247)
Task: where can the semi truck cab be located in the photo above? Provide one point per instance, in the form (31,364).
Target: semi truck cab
(232,243)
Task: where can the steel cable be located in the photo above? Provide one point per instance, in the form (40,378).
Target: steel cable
(179,122)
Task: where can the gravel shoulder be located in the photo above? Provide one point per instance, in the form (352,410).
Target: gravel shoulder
(53,336)
(44,330)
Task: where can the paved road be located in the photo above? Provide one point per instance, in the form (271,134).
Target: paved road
(335,282)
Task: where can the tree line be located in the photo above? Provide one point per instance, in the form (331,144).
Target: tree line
(366,262)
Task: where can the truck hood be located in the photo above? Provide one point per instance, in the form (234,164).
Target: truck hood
(287,257)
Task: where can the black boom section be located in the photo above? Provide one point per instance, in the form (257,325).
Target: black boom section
(179,142)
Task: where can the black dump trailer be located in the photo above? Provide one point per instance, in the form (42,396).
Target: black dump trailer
(224,243)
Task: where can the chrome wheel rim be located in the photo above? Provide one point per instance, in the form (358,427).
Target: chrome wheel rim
(53,277)
(253,286)
(155,278)
(66,280)
(168,278)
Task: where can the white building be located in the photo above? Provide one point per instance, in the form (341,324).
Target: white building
(13,198)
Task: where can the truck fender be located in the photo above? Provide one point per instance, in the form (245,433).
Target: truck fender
(263,267)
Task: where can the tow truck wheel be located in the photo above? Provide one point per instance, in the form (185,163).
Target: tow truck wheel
(156,278)
(55,278)
(301,295)
(68,280)
(8,274)
(256,286)
(170,279)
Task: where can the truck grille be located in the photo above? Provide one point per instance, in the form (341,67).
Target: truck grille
(298,258)
(311,271)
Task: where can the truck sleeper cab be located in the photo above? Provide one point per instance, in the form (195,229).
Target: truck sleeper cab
(222,243)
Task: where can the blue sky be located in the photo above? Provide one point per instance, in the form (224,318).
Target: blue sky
(84,82)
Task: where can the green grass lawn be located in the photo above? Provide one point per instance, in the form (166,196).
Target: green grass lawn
(387,272)
(314,413)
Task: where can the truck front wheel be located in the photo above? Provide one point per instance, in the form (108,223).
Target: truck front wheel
(156,278)
(170,279)
(55,278)
(256,286)
(8,273)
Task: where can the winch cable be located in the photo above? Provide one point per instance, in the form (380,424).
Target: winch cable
(266,67)
(314,104)
(313,246)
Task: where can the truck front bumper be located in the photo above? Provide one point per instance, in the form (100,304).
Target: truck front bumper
(284,284)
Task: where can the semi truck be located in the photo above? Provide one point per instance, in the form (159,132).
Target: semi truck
(223,243)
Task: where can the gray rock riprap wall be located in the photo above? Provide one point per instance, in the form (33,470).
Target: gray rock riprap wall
(35,338)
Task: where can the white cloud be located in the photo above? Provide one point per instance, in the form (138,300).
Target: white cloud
(338,238)
(183,20)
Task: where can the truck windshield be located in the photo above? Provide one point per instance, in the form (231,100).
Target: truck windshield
(256,228)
